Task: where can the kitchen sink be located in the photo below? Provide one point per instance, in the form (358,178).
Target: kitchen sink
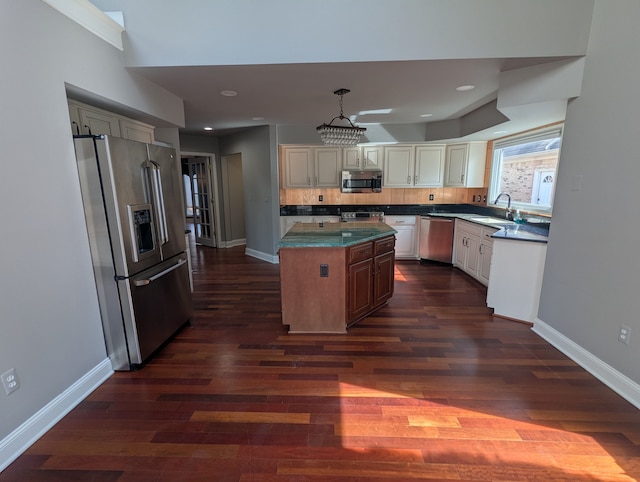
(489,220)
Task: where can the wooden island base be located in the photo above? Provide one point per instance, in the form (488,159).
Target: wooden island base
(327,289)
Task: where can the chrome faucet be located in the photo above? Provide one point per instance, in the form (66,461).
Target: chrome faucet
(508,214)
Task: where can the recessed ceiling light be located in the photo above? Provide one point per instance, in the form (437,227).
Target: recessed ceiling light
(208,128)
(426,115)
(464,88)
(229,93)
(257,118)
(500,132)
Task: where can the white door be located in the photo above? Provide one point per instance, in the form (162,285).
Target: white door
(202,201)
(542,193)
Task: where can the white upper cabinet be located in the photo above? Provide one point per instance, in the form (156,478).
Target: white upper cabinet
(136,131)
(94,122)
(306,167)
(362,158)
(372,158)
(328,162)
(352,159)
(297,166)
(398,166)
(429,166)
(414,165)
(89,120)
(465,164)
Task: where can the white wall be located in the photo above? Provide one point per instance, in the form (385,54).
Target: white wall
(294,31)
(50,329)
(592,275)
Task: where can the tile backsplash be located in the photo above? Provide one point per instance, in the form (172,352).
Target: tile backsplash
(444,195)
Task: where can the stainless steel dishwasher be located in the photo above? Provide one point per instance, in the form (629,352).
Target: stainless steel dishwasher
(436,239)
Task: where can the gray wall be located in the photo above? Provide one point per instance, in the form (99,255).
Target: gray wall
(592,275)
(260,175)
(50,329)
(294,31)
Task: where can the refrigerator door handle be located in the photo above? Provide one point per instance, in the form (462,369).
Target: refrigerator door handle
(158,199)
(151,279)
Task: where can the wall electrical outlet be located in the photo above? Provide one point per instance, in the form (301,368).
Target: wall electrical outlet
(625,333)
(10,381)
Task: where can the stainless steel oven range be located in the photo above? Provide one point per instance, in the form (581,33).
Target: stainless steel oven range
(362,216)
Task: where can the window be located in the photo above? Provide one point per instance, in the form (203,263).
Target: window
(525,167)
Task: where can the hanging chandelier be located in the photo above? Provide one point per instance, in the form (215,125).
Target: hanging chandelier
(340,135)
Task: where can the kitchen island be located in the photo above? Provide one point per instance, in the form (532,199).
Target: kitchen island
(334,274)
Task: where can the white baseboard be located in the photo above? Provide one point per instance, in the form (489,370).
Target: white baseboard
(263,256)
(236,242)
(618,382)
(14,444)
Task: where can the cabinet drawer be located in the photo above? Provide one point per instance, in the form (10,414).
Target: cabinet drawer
(360,252)
(385,245)
(469,228)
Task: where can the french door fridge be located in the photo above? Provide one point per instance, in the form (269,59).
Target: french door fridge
(133,203)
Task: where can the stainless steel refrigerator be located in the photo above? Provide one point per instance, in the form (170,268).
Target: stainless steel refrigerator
(133,202)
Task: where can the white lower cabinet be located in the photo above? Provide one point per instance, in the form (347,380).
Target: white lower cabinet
(473,247)
(407,235)
(516,297)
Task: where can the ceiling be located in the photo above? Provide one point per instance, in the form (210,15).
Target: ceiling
(302,94)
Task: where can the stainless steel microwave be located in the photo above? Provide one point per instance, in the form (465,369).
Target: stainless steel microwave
(361,181)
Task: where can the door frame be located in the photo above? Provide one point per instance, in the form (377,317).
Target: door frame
(214,190)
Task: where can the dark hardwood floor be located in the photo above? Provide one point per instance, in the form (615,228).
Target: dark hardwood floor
(431,387)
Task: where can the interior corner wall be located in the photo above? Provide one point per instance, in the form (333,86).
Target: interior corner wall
(591,277)
(50,325)
(260,177)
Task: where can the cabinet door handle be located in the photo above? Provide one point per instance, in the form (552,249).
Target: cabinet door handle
(415,180)
(461,177)
(408,179)
(75,124)
(88,129)
(309,181)
(480,248)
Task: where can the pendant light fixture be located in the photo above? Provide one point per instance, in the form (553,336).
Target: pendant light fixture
(340,135)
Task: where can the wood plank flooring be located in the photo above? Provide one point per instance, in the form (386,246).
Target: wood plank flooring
(431,387)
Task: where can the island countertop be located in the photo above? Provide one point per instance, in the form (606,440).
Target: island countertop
(333,235)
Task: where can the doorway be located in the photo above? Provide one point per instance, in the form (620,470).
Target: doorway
(201,199)
(233,188)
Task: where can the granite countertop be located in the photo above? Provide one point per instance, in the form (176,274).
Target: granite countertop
(522,232)
(506,229)
(333,235)
(493,217)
